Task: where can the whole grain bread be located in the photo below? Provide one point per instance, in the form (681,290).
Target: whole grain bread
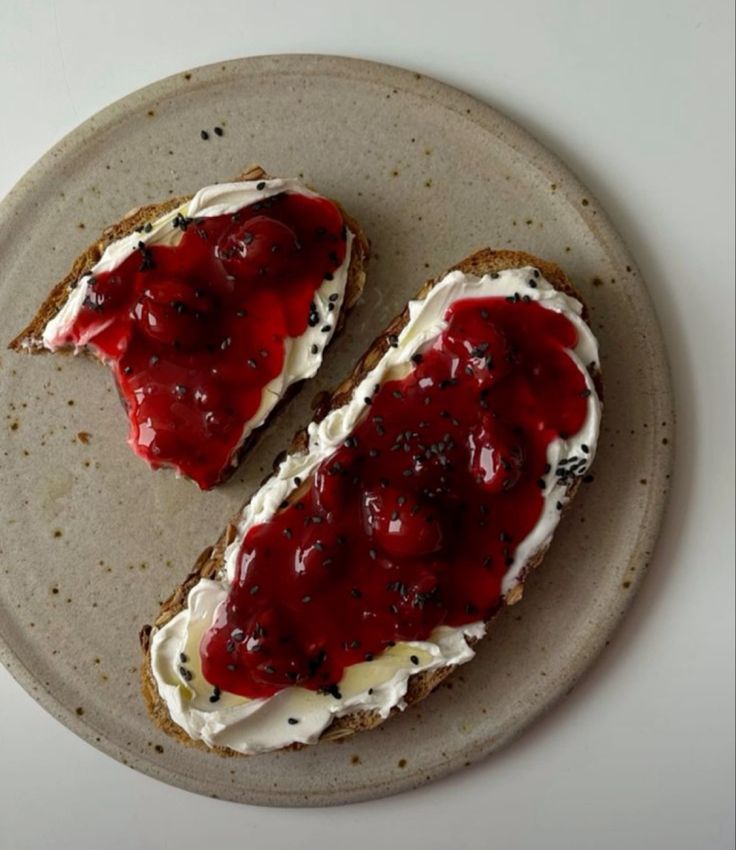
(209,563)
(30,339)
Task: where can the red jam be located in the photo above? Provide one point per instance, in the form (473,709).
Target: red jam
(413,522)
(194,331)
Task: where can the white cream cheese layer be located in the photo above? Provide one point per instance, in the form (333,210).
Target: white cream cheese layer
(299,715)
(303,355)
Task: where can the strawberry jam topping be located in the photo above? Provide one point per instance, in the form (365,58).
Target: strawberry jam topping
(414,520)
(194,331)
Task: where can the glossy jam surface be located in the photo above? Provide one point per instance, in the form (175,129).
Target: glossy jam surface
(413,522)
(194,331)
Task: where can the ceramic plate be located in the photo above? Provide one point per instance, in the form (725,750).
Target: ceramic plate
(92,540)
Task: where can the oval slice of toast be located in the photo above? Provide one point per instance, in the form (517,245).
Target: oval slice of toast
(408,513)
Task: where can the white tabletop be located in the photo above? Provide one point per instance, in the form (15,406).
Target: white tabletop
(637,97)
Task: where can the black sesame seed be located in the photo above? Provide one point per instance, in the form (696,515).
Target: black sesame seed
(292,721)
(218,131)
(204,135)
(260,186)
(326,329)
(414,659)
(315,349)
(254,590)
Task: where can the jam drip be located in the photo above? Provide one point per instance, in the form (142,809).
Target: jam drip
(194,331)
(414,520)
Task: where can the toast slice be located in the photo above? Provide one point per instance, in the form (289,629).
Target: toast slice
(34,338)
(210,564)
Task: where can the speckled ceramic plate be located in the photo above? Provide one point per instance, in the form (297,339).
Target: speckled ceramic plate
(92,540)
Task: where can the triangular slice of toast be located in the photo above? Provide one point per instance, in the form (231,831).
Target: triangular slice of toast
(138,223)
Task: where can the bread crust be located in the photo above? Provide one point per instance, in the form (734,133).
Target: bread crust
(420,685)
(30,339)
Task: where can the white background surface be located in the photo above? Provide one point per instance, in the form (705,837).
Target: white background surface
(637,97)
